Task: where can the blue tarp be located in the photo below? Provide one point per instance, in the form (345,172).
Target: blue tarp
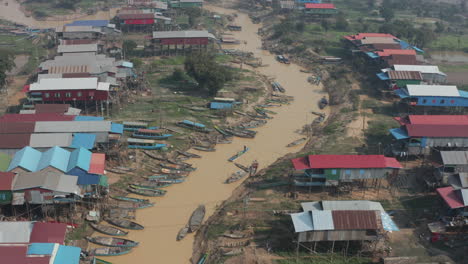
(220,105)
(117,128)
(372,55)
(89,118)
(41,249)
(84,178)
(383,76)
(67,255)
(399,133)
(83,140)
(93,23)
(401,93)
(190,123)
(388,223)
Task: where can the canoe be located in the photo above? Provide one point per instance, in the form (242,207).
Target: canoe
(234,235)
(242,167)
(112,241)
(179,162)
(163,176)
(253,124)
(202,148)
(223,141)
(150,185)
(154,156)
(108,251)
(147,192)
(244,133)
(130,199)
(108,230)
(188,154)
(124,223)
(236,176)
(296,142)
(100,261)
(265,111)
(232,252)
(203,259)
(168,180)
(221,131)
(133,205)
(176,172)
(196,219)
(176,167)
(182,233)
(238,154)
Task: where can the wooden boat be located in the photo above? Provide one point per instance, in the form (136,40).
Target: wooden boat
(241,133)
(238,154)
(236,176)
(179,162)
(202,148)
(133,205)
(234,235)
(265,111)
(118,213)
(108,230)
(147,192)
(232,252)
(124,223)
(323,103)
(242,167)
(150,185)
(112,241)
(296,142)
(239,113)
(163,176)
(196,219)
(188,154)
(194,126)
(277,87)
(154,156)
(151,134)
(203,259)
(130,199)
(176,172)
(253,124)
(223,141)
(222,132)
(100,261)
(182,233)
(168,180)
(177,167)
(108,251)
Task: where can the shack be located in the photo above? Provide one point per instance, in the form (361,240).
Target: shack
(430,73)
(399,79)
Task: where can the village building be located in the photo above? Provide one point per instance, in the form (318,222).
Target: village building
(88,29)
(62,109)
(455,199)
(331,170)
(175,42)
(320,9)
(430,73)
(78,49)
(147,5)
(185,3)
(399,79)
(433,95)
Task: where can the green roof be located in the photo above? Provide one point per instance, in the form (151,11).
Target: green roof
(103,181)
(4,161)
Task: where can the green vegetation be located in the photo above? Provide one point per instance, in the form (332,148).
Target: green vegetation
(45,8)
(35,48)
(6,64)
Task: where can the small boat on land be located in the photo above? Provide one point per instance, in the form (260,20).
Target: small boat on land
(108,251)
(147,192)
(232,252)
(182,233)
(278,87)
(223,141)
(188,154)
(130,199)
(266,111)
(196,219)
(176,167)
(163,176)
(242,167)
(203,148)
(234,235)
(124,223)
(179,163)
(133,205)
(253,124)
(244,133)
(239,113)
(221,131)
(238,154)
(112,241)
(296,142)
(236,176)
(154,156)
(203,259)
(168,180)
(108,230)
(194,126)
(150,185)
(151,134)
(100,261)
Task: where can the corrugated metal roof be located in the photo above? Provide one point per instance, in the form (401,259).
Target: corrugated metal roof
(6,180)
(117,128)
(36,117)
(80,158)
(463,177)
(464,195)
(419,68)
(405,75)
(460,131)
(322,220)
(360,205)
(365,35)
(451,198)
(136,16)
(135,124)
(14,254)
(77,41)
(77,48)
(438,119)
(94,64)
(83,140)
(47,140)
(67,255)
(93,23)
(311,206)
(382,46)
(347,220)
(352,161)
(388,52)
(89,118)
(65,84)
(336,235)
(302,222)
(433,90)
(48,233)
(183,34)
(319,6)
(27,158)
(374,40)
(51,108)
(73,126)
(401,59)
(220,105)
(54,157)
(287,4)
(98,163)
(47,179)
(80,29)
(16,127)
(15,232)
(14,141)
(137,140)
(41,248)
(69,69)
(454,157)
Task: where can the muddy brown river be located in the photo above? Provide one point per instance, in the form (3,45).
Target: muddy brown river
(206,185)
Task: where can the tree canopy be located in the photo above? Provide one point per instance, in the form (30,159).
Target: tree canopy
(6,64)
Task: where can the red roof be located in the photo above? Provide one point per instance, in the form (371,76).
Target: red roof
(26,88)
(14,141)
(438,119)
(51,108)
(145,130)
(401,59)
(355,220)
(14,254)
(423,130)
(345,162)
(6,180)
(17,127)
(48,233)
(367,35)
(98,163)
(388,52)
(36,117)
(319,6)
(451,197)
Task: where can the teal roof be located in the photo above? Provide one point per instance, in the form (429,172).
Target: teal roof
(67,255)
(83,140)
(80,158)
(27,158)
(56,157)
(117,128)
(41,249)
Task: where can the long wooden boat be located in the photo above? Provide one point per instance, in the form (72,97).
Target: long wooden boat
(202,148)
(124,223)
(154,156)
(163,177)
(221,131)
(238,154)
(151,134)
(168,180)
(130,199)
(188,154)
(112,241)
(236,176)
(194,126)
(182,233)
(100,261)
(242,167)
(296,142)
(108,230)
(175,172)
(203,259)
(196,219)
(253,124)
(147,192)
(176,167)
(265,111)
(223,141)
(239,113)
(108,251)
(234,235)
(179,162)
(133,205)
(150,185)
(241,133)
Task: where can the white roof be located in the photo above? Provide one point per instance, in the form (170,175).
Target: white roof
(183,34)
(72,126)
(48,140)
(419,68)
(15,232)
(433,90)
(77,48)
(302,222)
(103,86)
(55,84)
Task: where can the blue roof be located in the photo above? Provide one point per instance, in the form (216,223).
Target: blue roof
(372,55)
(127,64)
(117,128)
(399,133)
(79,158)
(388,223)
(220,105)
(41,249)
(67,255)
(89,118)
(84,178)
(463,93)
(56,157)
(83,140)
(27,158)
(193,123)
(406,45)
(94,23)
(383,76)
(402,93)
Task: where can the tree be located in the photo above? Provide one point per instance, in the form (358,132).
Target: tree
(67,4)
(6,64)
(193,14)
(137,62)
(207,72)
(177,75)
(439,27)
(387,13)
(341,23)
(325,24)
(300,26)
(128,47)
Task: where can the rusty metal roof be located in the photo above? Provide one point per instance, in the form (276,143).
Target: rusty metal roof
(405,75)
(68,69)
(355,220)
(16,127)
(14,141)
(51,108)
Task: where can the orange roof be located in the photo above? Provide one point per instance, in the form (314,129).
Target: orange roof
(98,163)
(367,35)
(388,52)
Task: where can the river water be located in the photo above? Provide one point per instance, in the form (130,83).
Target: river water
(206,185)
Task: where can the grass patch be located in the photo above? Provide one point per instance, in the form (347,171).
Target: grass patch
(454,68)
(216,230)
(450,42)
(177,60)
(77,233)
